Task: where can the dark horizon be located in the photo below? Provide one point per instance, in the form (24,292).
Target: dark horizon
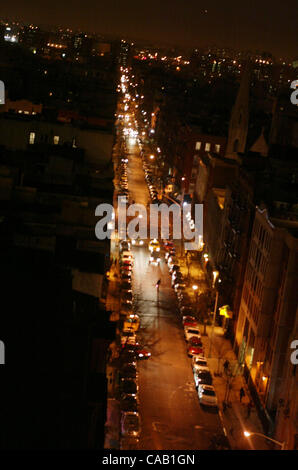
(258,26)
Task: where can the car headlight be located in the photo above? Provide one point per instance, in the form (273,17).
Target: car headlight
(141,242)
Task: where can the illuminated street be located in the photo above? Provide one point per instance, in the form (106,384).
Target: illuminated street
(148,230)
(170,411)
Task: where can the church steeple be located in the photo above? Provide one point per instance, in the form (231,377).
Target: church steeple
(260,146)
(239,118)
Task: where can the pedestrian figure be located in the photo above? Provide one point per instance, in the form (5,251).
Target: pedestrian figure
(249,407)
(242,393)
(158,283)
(226,365)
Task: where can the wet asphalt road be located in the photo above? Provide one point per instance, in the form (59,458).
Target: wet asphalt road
(171,416)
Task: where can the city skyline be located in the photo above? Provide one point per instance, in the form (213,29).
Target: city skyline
(258,26)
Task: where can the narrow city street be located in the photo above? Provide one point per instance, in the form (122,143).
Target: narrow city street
(170,411)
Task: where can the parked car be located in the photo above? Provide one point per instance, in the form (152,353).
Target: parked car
(125,286)
(195,350)
(139,350)
(130,424)
(190,331)
(128,387)
(195,341)
(124,245)
(127,255)
(126,309)
(125,275)
(184,300)
(172,260)
(189,320)
(207,395)
(128,337)
(127,297)
(126,264)
(199,362)
(127,355)
(131,323)
(174,268)
(180,287)
(128,371)
(186,311)
(170,253)
(129,403)
(177,278)
(203,377)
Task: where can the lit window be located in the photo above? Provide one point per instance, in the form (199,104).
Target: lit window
(217,148)
(198,145)
(31,138)
(207,147)
(56,139)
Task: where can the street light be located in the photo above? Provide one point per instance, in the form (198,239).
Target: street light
(195,289)
(281,444)
(215,276)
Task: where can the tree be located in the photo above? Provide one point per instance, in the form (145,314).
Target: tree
(203,307)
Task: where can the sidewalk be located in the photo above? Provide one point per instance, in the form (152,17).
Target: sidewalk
(112,434)
(235,418)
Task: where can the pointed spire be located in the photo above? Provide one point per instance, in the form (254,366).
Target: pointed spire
(239,118)
(260,146)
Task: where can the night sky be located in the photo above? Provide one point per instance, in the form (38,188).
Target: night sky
(269,25)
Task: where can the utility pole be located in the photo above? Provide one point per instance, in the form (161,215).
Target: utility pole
(213,323)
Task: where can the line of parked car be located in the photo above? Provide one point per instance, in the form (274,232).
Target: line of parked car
(192,334)
(131,351)
(122,180)
(150,182)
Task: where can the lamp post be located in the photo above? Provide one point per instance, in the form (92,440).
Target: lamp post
(215,276)
(195,289)
(281,444)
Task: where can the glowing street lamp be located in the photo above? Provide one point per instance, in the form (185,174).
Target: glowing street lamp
(195,289)
(215,276)
(281,444)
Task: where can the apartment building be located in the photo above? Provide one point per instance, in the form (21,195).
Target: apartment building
(268,309)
